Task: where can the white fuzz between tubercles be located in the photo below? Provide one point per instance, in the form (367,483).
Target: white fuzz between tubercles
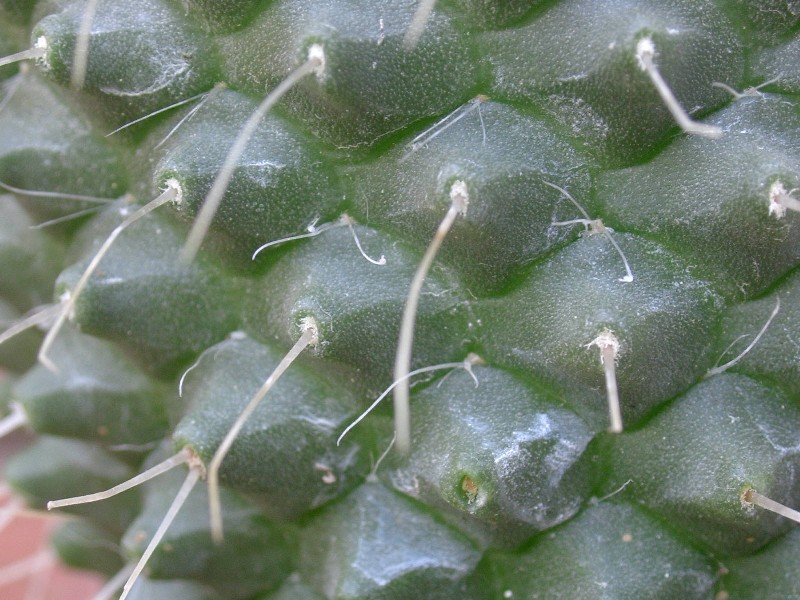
(780,200)
(308,337)
(314,65)
(459,201)
(172,193)
(608,344)
(645,52)
(750,498)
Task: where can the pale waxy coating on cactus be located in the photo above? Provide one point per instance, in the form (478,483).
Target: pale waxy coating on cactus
(620,292)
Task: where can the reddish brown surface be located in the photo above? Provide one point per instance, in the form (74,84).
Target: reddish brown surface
(25,538)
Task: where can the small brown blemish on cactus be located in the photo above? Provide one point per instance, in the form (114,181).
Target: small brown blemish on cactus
(608,344)
(459,201)
(470,489)
(314,65)
(645,53)
(627,538)
(328,476)
(309,337)
(750,498)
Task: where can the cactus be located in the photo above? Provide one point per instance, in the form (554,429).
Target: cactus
(561,235)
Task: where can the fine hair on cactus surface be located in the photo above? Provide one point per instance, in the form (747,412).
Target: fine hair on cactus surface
(555,232)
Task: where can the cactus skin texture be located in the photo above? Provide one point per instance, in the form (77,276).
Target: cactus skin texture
(599,251)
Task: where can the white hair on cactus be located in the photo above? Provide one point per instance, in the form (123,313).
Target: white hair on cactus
(780,200)
(418,22)
(308,337)
(608,344)
(37,51)
(80,59)
(750,498)
(645,52)
(314,65)
(459,201)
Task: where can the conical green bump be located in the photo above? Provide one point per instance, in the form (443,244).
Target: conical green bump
(609,552)
(49,143)
(281,183)
(382,546)
(370,86)
(256,555)
(662,320)
(506,459)
(98,395)
(693,462)
(357,305)
(286,454)
(162,312)
(83,545)
(141,57)
(577,62)
(171,589)
(711,200)
(53,468)
(504,156)
(759,575)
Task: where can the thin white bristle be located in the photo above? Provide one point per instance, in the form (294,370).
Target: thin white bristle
(594,226)
(180,458)
(36,317)
(80,59)
(188,116)
(751,345)
(54,195)
(459,201)
(108,591)
(35,52)
(183,493)
(748,92)
(345,219)
(13,420)
(313,231)
(315,64)
(309,337)
(467,364)
(645,52)
(13,86)
(172,193)
(9,511)
(753,497)
(373,473)
(158,112)
(66,218)
(444,124)
(418,22)
(608,344)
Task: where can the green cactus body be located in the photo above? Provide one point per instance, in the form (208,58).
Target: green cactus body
(605,380)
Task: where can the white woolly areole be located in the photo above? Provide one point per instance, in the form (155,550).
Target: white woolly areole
(316,53)
(41,44)
(174,184)
(310,324)
(606,340)
(645,47)
(459,196)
